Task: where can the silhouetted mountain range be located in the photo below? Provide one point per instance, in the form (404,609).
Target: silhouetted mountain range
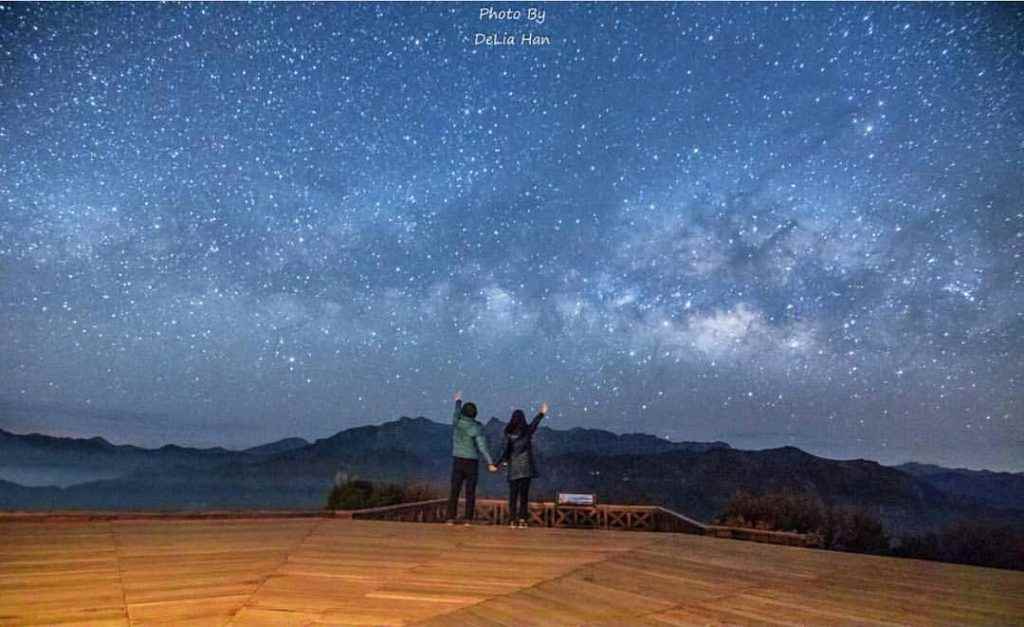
(71,460)
(700,484)
(998,489)
(280,446)
(696,478)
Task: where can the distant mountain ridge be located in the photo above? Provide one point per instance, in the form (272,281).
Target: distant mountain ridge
(701,484)
(39,456)
(998,489)
(31,459)
(697,478)
(280,446)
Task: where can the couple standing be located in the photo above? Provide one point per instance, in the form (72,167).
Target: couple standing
(469,443)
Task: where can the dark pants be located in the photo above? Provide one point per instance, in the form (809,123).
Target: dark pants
(519,499)
(463,470)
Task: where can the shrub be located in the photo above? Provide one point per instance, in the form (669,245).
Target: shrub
(777,511)
(413,492)
(974,542)
(361,494)
(854,529)
(925,546)
(836,528)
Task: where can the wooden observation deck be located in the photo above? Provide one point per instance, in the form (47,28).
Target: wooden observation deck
(314,569)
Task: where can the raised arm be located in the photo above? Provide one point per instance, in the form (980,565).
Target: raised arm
(458,407)
(536,419)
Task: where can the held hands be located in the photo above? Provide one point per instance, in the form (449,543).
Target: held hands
(492,468)
(458,396)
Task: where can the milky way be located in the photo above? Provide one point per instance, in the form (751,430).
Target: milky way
(766,224)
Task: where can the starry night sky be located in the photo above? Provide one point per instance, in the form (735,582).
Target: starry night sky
(767,224)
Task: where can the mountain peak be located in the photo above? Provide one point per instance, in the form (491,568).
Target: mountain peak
(278,446)
(416,420)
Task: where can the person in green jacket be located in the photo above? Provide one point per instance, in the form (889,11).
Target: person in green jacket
(468,444)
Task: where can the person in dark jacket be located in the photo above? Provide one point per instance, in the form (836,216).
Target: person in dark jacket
(468,444)
(522,467)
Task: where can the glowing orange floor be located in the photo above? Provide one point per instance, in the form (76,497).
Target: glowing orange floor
(328,571)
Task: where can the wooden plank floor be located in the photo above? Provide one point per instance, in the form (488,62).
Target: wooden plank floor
(344,572)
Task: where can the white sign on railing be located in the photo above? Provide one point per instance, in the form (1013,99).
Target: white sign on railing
(586,500)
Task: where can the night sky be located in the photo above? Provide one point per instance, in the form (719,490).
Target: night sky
(766,224)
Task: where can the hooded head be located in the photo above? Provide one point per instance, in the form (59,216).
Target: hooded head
(469,410)
(517,424)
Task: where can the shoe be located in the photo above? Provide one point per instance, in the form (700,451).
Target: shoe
(522,524)
(467,523)
(513,524)
(450,522)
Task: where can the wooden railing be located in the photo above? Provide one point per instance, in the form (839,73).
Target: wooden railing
(619,517)
(761,535)
(435,510)
(546,514)
(611,517)
(489,511)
